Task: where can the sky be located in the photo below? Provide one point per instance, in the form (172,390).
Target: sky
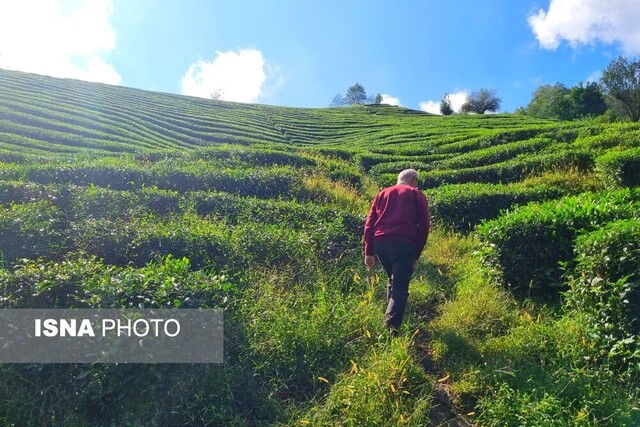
(301,53)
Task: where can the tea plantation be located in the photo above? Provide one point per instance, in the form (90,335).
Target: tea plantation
(524,310)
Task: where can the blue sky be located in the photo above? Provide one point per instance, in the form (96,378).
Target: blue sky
(303,53)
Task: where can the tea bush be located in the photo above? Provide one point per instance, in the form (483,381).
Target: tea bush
(620,168)
(512,170)
(27,192)
(244,155)
(606,287)
(522,248)
(31,230)
(494,154)
(120,174)
(461,207)
(123,394)
(79,282)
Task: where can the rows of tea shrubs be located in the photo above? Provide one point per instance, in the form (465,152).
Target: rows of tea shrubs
(119,174)
(214,230)
(80,202)
(265,337)
(523,248)
(461,207)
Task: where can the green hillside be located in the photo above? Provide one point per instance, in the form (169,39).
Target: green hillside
(523,310)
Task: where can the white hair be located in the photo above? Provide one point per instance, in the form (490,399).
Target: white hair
(406,175)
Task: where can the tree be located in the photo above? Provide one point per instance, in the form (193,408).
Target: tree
(481,101)
(621,81)
(338,101)
(560,103)
(356,95)
(587,100)
(216,95)
(550,102)
(445,106)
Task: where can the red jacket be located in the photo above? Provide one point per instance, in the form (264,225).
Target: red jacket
(398,213)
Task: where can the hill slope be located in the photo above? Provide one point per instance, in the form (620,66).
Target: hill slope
(117,197)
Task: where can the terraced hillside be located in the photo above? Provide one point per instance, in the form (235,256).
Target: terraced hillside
(116,197)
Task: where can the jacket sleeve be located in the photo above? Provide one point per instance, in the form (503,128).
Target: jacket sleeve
(423,222)
(369,229)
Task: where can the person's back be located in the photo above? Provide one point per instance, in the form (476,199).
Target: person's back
(395,216)
(396,232)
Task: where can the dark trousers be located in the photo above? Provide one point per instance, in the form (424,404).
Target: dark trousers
(397,260)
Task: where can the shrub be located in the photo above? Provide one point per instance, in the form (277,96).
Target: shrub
(394,168)
(512,170)
(462,206)
(620,168)
(250,156)
(31,230)
(338,170)
(366,160)
(124,174)
(129,394)
(28,192)
(79,282)
(606,287)
(494,154)
(286,213)
(522,248)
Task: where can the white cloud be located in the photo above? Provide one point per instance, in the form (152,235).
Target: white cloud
(588,21)
(235,76)
(38,36)
(456,99)
(432,107)
(390,100)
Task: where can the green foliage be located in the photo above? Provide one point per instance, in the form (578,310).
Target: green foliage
(550,102)
(522,248)
(620,168)
(512,170)
(298,336)
(445,106)
(242,155)
(561,103)
(166,175)
(30,230)
(539,374)
(461,207)
(89,283)
(621,81)
(606,287)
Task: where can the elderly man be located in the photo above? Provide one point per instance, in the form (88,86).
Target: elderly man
(396,232)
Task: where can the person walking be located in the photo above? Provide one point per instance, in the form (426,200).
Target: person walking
(396,232)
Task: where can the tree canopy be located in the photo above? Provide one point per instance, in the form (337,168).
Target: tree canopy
(445,106)
(621,82)
(481,101)
(356,94)
(562,103)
